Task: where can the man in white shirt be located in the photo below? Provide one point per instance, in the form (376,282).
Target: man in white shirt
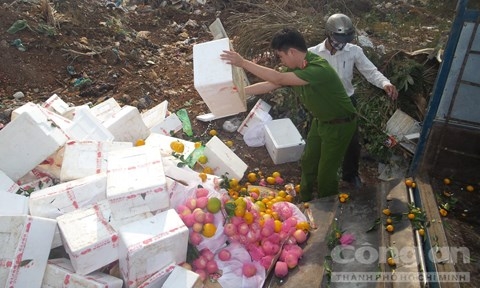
(343,57)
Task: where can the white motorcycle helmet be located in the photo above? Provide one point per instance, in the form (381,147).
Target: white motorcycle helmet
(340,28)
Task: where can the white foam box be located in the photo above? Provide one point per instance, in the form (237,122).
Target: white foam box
(60,273)
(158,278)
(257,116)
(7,184)
(127,125)
(85,126)
(26,141)
(183,278)
(53,164)
(136,181)
(223,160)
(89,237)
(163,142)
(149,245)
(12,204)
(221,85)
(106,109)
(56,104)
(155,115)
(170,125)
(25,242)
(283,141)
(65,197)
(85,158)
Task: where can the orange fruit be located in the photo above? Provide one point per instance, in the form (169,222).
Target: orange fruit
(342,199)
(411,216)
(213,132)
(261,206)
(248,217)
(277,225)
(270,180)
(140,142)
(338,235)
(203,176)
(470,188)
(239,211)
(177,146)
(390,228)
(289,198)
(209,230)
(198,144)
(443,212)
(387,212)
(391,261)
(202,159)
(276,174)
(229,143)
(409,182)
(421,231)
(447,181)
(297,188)
(282,193)
(252,177)
(233,183)
(389,220)
(208,170)
(303,225)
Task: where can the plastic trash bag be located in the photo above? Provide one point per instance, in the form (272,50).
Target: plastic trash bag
(255,136)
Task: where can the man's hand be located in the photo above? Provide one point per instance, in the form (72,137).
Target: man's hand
(391,91)
(232,57)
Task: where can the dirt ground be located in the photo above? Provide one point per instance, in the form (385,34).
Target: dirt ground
(140,57)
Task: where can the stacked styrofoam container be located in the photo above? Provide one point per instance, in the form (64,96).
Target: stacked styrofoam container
(222,88)
(106,109)
(86,126)
(136,182)
(89,237)
(283,141)
(13,204)
(150,245)
(60,273)
(160,121)
(25,242)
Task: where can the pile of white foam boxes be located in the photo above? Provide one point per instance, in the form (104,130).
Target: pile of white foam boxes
(72,178)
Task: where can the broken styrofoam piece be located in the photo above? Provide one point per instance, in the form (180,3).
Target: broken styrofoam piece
(127,125)
(25,242)
(183,278)
(12,204)
(89,237)
(26,141)
(136,181)
(257,116)
(60,273)
(85,158)
(52,165)
(85,126)
(155,115)
(106,109)
(147,246)
(65,197)
(220,85)
(7,184)
(223,160)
